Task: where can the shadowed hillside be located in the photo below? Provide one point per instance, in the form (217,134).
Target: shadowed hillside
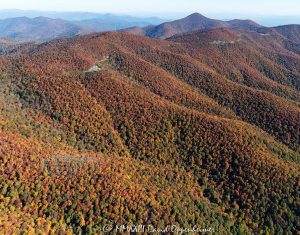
(292,32)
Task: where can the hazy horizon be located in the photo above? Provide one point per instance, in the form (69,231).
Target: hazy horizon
(263,19)
(255,7)
(155,14)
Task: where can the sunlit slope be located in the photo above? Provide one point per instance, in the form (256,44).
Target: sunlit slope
(116,128)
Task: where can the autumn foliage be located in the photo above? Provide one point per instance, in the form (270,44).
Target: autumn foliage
(201,129)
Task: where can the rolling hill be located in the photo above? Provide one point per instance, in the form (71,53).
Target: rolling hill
(192,22)
(114,128)
(57,25)
(40,29)
(25,29)
(77,16)
(292,32)
(6,44)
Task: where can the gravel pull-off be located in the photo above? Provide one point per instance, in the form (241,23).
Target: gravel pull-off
(95,68)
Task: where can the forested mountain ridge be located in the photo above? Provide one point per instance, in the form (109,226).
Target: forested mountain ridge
(197,21)
(113,128)
(6,44)
(52,26)
(192,22)
(292,32)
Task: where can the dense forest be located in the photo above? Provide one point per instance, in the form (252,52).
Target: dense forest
(200,129)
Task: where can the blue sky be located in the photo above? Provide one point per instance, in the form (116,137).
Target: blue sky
(249,7)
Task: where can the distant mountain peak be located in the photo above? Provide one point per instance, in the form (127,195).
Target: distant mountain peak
(194,22)
(196,15)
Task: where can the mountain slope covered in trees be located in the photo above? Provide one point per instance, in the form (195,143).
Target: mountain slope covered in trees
(192,22)
(43,26)
(112,128)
